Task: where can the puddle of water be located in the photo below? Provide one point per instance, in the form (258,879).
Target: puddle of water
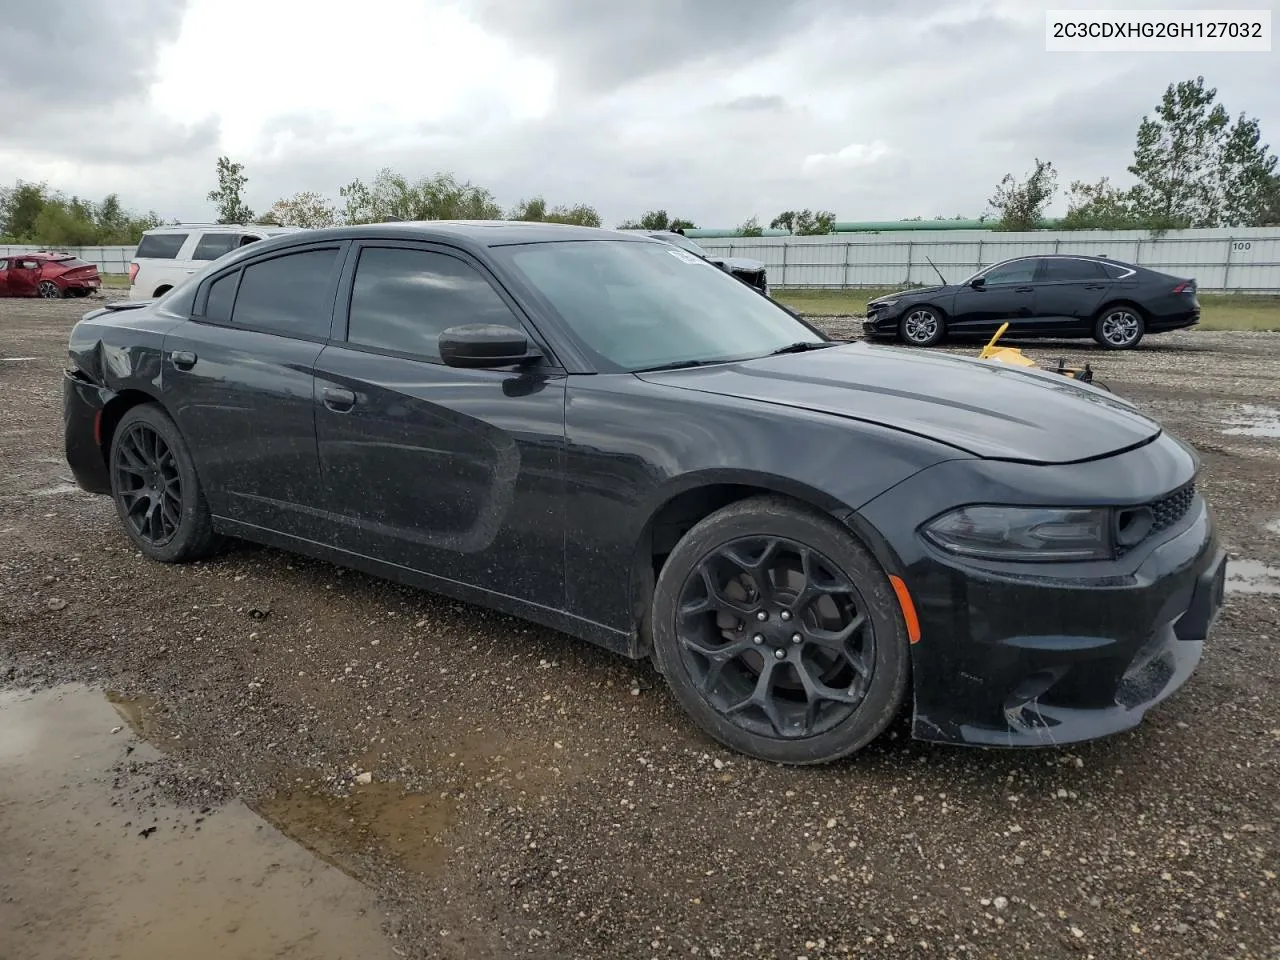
(403,826)
(224,885)
(1254,421)
(1250,576)
(138,712)
(1272,526)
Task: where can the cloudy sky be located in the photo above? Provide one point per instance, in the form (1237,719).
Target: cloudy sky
(713,109)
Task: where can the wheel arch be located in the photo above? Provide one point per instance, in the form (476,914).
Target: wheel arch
(161,290)
(113,412)
(1121,302)
(677,509)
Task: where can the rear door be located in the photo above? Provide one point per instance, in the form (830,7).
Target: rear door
(1068,291)
(4,277)
(238,379)
(452,472)
(1008,294)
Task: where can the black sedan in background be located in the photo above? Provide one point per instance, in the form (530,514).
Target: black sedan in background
(603,434)
(1043,296)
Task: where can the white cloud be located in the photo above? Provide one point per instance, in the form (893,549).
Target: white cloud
(847,158)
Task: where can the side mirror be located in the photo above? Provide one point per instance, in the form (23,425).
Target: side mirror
(978,283)
(485,345)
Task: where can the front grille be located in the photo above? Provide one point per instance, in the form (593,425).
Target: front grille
(1169,510)
(1137,524)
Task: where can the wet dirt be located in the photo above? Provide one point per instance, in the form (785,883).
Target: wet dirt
(1250,576)
(530,796)
(89,871)
(1254,421)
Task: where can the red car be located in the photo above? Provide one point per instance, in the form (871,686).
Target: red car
(48,275)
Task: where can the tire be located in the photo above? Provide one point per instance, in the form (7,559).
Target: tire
(1119,327)
(155,488)
(725,668)
(48,290)
(921,327)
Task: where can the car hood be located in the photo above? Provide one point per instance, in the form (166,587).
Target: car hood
(745,264)
(984,408)
(914,292)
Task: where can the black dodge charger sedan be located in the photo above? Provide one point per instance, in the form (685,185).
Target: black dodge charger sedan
(611,437)
(1042,296)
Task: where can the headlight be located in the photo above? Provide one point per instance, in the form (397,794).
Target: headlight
(1024,533)
(882,303)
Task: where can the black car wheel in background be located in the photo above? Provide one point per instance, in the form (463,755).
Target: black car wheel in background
(922,327)
(1119,328)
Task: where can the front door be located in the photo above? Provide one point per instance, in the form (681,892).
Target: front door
(23,277)
(1007,293)
(238,376)
(451,472)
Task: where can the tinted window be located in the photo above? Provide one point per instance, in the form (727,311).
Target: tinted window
(214,245)
(161,246)
(1019,271)
(1060,270)
(403,299)
(221,294)
(288,294)
(1116,270)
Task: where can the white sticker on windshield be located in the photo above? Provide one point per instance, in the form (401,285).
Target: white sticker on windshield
(684,255)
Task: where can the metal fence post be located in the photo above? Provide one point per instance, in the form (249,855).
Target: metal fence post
(1226,272)
(782,280)
(979,266)
(1057,243)
(844,277)
(910,247)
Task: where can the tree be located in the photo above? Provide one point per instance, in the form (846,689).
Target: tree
(1245,176)
(19,208)
(1021,206)
(1175,155)
(391,196)
(804,223)
(306,209)
(535,210)
(657,220)
(1100,206)
(228,195)
(31,213)
(1271,212)
(750,228)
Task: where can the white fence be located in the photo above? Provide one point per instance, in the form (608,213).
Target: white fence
(106,259)
(1243,261)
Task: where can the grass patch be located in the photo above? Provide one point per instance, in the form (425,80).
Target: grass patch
(116,281)
(1220,311)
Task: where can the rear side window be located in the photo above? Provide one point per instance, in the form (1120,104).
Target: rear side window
(1117,271)
(289,295)
(160,246)
(1062,270)
(214,245)
(222,292)
(402,300)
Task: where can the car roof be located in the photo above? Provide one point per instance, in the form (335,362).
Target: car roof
(1066,256)
(221,228)
(483,233)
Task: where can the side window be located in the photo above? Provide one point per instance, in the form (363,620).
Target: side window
(402,300)
(1018,271)
(160,246)
(222,292)
(288,295)
(214,245)
(1060,271)
(1117,272)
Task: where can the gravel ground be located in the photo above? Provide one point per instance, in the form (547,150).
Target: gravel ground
(532,796)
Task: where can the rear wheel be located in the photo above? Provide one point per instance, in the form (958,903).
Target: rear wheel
(780,634)
(156,491)
(921,327)
(49,290)
(1119,328)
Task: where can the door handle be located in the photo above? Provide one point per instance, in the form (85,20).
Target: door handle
(1024,289)
(183,359)
(337,399)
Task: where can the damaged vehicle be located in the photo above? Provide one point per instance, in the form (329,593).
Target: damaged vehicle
(751,272)
(613,438)
(48,275)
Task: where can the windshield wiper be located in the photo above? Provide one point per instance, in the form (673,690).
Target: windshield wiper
(801,346)
(679,365)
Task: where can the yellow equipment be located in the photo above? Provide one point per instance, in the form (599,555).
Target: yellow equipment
(1014,356)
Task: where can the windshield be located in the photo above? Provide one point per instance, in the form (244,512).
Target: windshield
(638,305)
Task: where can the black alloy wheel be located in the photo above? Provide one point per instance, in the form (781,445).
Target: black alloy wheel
(155,488)
(782,636)
(921,327)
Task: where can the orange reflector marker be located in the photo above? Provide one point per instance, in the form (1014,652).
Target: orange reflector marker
(908,608)
(97,428)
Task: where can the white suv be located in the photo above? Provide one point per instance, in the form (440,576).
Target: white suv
(168,255)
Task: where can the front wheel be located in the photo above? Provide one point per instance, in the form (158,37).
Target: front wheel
(780,634)
(49,290)
(921,327)
(156,491)
(1119,328)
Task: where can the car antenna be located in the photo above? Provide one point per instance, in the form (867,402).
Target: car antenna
(937,271)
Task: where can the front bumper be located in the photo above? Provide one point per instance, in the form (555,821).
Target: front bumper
(1025,655)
